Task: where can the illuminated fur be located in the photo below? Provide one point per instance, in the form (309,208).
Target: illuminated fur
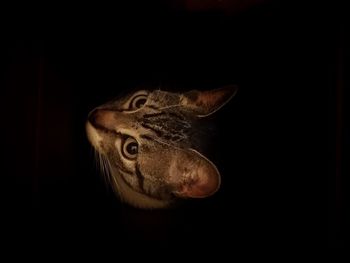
(143,142)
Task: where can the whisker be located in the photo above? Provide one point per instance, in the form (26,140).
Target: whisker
(104,170)
(93,154)
(114,183)
(100,166)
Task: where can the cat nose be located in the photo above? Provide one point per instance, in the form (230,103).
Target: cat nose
(101,118)
(93,116)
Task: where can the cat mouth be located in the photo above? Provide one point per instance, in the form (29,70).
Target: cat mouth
(93,136)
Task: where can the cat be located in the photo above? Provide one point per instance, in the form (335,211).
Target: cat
(143,143)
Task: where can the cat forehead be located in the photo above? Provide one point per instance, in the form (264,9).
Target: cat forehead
(155,96)
(164,97)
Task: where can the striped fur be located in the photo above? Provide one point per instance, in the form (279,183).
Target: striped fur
(144,141)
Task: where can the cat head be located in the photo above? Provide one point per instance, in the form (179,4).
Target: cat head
(143,141)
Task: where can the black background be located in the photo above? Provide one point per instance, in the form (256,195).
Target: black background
(279,144)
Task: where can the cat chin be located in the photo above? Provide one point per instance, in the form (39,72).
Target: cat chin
(93,136)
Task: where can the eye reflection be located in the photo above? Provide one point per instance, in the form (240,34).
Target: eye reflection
(138,102)
(130,148)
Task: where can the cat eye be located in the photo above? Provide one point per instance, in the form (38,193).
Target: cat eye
(130,148)
(137,102)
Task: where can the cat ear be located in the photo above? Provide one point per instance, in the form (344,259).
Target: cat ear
(204,103)
(193,175)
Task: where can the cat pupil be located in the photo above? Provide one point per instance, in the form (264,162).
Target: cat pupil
(132,148)
(140,102)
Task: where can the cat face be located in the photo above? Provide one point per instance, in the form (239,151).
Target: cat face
(144,143)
